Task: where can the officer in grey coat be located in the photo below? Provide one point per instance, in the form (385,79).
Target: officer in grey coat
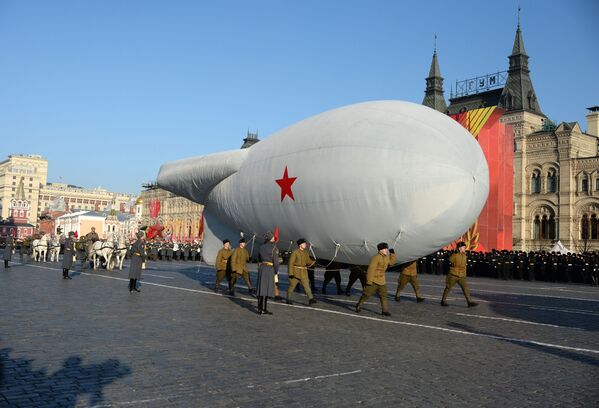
(138,256)
(67,256)
(10,245)
(269,265)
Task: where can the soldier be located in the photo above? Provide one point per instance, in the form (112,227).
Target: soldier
(10,245)
(67,256)
(90,238)
(138,256)
(375,277)
(222,258)
(457,274)
(239,267)
(269,266)
(299,261)
(409,274)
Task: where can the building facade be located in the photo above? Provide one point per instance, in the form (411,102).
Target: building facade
(33,169)
(66,197)
(19,210)
(106,223)
(555,174)
(180,217)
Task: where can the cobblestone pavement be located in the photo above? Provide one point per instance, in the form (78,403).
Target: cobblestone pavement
(88,342)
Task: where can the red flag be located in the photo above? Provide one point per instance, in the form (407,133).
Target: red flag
(276,234)
(76,234)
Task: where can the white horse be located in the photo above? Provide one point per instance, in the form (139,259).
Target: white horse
(120,250)
(102,249)
(54,248)
(40,248)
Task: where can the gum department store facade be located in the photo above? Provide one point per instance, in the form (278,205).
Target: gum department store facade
(556,167)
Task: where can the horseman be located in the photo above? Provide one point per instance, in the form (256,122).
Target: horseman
(90,238)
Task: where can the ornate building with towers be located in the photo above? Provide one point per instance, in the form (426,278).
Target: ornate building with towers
(552,181)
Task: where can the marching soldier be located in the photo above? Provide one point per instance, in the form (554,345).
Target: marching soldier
(90,238)
(222,258)
(67,256)
(457,274)
(269,266)
(10,245)
(375,277)
(138,257)
(239,267)
(409,275)
(299,261)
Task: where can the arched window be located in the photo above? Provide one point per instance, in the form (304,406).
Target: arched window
(535,186)
(597,184)
(552,228)
(584,227)
(585,184)
(544,227)
(551,181)
(594,226)
(536,228)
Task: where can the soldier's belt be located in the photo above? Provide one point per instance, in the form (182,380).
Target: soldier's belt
(136,254)
(267,263)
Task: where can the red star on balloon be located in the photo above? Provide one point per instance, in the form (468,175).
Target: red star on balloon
(285,183)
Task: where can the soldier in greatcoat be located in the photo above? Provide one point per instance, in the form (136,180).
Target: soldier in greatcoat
(269,266)
(239,267)
(90,238)
(409,275)
(222,259)
(138,256)
(299,261)
(10,245)
(67,256)
(375,277)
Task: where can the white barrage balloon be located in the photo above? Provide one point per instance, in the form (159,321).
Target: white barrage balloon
(381,171)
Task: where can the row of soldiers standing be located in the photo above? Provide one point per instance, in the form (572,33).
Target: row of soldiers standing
(543,266)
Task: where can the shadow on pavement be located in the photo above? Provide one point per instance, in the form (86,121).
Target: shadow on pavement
(576,314)
(567,354)
(21,385)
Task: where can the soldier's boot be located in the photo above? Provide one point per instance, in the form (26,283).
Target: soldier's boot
(6,264)
(65,273)
(130,285)
(259,305)
(444,297)
(265,310)
(397,295)
(419,299)
(359,304)
(472,304)
(312,301)
(386,313)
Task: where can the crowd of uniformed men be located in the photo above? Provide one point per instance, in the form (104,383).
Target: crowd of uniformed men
(232,264)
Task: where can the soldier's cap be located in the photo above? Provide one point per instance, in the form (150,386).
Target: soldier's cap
(268,236)
(461,244)
(301,241)
(71,233)
(140,234)
(382,245)
(226,241)
(242,240)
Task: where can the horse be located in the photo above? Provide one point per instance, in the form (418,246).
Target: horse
(102,249)
(120,250)
(40,248)
(54,248)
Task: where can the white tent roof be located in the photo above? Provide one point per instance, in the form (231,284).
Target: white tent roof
(559,247)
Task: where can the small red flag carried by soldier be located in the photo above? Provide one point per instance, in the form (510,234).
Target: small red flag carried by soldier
(76,234)
(276,234)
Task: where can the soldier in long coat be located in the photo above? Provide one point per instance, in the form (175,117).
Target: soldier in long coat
(269,265)
(10,245)
(299,261)
(457,274)
(138,256)
(409,275)
(239,267)
(375,277)
(67,256)
(90,238)
(222,260)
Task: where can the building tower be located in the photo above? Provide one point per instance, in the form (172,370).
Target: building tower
(19,206)
(524,114)
(433,95)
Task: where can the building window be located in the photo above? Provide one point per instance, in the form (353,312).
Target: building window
(535,183)
(551,182)
(597,184)
(584,227)
(536,228)
(585,184)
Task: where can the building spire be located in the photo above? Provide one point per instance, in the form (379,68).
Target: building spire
(433,94)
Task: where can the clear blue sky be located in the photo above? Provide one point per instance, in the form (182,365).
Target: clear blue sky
(108,90)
